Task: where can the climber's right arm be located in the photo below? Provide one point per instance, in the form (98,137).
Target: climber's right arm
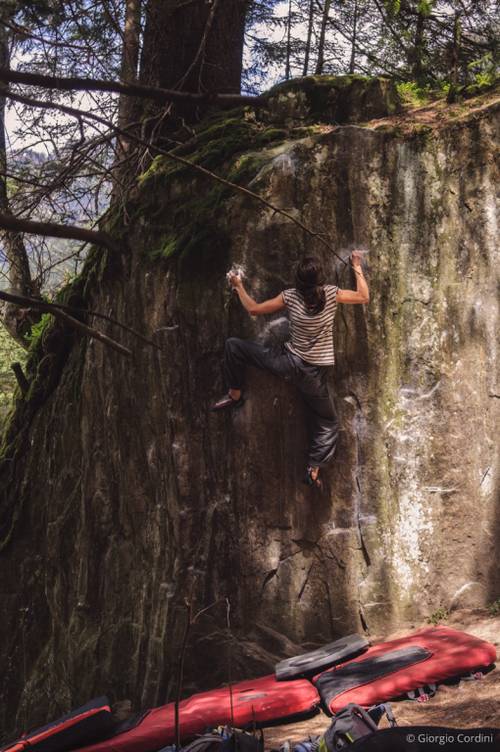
(361,294)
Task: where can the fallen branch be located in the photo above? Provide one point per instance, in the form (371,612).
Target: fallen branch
(53,230)
(76,83)
(56,311)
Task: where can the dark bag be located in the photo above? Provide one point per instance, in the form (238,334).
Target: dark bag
(352,723)
(223,740)
(242,741)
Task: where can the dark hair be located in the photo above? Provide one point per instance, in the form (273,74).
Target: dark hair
(309,281)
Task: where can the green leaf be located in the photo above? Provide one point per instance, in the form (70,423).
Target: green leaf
(393,6)
(424,7)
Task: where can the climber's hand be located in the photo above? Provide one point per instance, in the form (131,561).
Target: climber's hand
(356,258)
(235,281)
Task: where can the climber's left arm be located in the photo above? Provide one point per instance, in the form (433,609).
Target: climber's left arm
(256,309)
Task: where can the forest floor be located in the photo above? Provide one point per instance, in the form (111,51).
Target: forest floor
(435,113)
(419,118)
(469,704)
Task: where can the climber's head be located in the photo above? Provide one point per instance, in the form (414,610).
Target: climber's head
(309,280)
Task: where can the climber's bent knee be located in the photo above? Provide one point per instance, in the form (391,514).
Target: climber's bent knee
(232,343)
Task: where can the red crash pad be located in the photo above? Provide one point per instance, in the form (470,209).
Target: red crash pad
(389,669)
(81,726)
(261,702)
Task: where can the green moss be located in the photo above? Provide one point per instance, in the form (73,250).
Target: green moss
(348,98)
(483,85)
(413,94)
(186,215)
(246,168)
(183,207)
(112,223)
(305,131)
(441,614)
(270,135)
(38,330)
(10,352)
(494,608)
(213,144)
(169,245)
(189,226)
(308,84)
(216,143)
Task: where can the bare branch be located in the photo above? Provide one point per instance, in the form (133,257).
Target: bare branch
(56,311)
(76,83)
(53,230)
(104,317)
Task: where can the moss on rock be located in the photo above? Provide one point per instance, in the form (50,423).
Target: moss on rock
(333,99)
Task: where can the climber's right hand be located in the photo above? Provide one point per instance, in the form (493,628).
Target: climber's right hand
(235,280)
(356,258)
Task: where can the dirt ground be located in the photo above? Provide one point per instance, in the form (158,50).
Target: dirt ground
(468,704)
(436,113)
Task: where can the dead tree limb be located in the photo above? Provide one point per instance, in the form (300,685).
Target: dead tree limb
(104,317)
(56,311)
(53,230)
(30,302)
(76,83)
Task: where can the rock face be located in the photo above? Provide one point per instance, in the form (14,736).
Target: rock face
(122,495)
(332,99)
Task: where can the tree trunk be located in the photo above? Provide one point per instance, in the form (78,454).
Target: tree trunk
(175,30)
(352,64)
(321,46)
(17,321)
(288,41)
(455,51)
(417,68)
(130,62)
(309,37)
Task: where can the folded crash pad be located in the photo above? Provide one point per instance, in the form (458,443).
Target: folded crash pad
(259,702)
(82,726)
(393,668)
(315,661)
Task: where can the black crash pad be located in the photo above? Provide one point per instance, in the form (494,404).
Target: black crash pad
(318,660)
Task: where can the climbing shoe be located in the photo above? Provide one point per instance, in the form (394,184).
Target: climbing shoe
(227,402)
(310,481)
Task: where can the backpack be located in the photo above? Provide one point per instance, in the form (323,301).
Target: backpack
(222,740)
(352,723)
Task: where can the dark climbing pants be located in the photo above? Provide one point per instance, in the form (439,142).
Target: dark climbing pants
(309,379)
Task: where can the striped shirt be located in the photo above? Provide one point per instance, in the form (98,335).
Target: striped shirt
(311,334)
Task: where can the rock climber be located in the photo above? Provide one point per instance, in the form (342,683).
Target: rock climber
(306,358)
